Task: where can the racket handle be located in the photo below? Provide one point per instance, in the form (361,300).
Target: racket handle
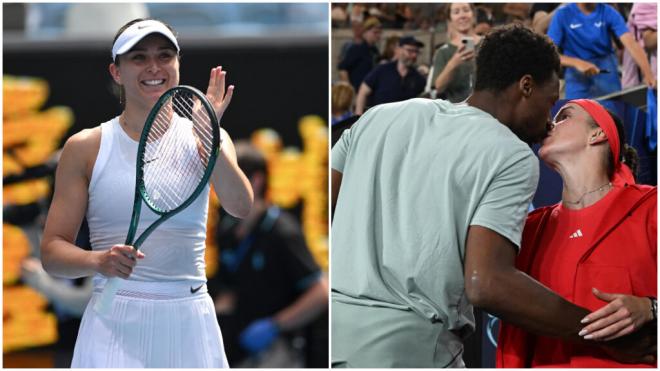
(104,303)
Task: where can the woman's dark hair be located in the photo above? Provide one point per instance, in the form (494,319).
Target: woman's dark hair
(509,52)
(628,154)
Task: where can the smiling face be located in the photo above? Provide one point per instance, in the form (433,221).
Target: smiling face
(149,69)
(461,17)
(408,54)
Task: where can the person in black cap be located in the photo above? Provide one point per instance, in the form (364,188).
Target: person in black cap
(394,81)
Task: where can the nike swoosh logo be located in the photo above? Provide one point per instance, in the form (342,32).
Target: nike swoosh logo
(152,160)
(574,26)
(598,24)
(143,26)
(192,291)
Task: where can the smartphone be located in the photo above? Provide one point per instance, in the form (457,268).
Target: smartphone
(468,42)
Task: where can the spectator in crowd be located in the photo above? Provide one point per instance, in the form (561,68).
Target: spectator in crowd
(358,12)
(393,81)
(575,247)
(268,285)
(583,32)
(643,26)
(342,101)
(339,15)
(453,63)
(541,15)
(357,29)
(484,20)
(390,50)
(361,58)
(517,13)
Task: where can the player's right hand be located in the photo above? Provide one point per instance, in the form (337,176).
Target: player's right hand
(118,261)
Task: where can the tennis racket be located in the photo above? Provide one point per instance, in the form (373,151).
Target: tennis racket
(176,154)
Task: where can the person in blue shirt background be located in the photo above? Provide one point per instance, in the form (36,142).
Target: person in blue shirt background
(583,33)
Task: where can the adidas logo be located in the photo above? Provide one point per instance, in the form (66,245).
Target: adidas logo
(576,234)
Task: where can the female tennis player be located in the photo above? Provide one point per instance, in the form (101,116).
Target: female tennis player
(162,316)
(597,247)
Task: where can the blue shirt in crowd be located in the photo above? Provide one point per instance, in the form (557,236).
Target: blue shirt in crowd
(586,36)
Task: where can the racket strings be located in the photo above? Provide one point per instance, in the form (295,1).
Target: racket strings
(177,151)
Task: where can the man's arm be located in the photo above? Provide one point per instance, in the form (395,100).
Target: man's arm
(305,308)
(494,284)
(361,100)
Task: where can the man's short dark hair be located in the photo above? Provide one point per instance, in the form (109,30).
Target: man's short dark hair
(509,52)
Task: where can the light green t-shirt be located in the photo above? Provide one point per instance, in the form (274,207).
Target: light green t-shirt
(416,175)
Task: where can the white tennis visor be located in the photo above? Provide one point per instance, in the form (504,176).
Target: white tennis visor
(136,32)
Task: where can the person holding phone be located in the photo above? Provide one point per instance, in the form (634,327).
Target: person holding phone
(453,64)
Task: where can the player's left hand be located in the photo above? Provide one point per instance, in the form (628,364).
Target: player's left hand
(622,315)
(259,335)
(216,91)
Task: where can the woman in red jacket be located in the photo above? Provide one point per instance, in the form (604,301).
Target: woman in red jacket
(597,248)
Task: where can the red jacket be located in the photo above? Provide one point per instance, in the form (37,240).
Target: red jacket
(620,258)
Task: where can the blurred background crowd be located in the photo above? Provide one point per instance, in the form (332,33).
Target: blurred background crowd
(273,263)
(433,47)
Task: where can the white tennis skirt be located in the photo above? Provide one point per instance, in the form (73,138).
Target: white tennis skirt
(152,324)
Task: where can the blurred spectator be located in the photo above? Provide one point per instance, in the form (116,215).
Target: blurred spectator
(268,285)
(517,13)
(541,15)
(453,63)
(358,12)
(339,15)
(390,50)
(484,20)
(404,16)
(582,31)
(643,25)
(361,58)
(393,81)
(358,29)
(342,101)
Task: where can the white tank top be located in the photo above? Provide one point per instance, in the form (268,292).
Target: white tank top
(175,250)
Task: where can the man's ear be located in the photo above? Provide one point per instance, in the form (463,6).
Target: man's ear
(526,86)
(114,72)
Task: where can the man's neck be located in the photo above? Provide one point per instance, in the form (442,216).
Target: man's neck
(586,8)
(402,68)
(492,103)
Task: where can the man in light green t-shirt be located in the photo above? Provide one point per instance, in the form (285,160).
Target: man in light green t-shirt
(429,202)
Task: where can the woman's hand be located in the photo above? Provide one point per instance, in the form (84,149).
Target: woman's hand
(461,56)
(118,261)
(623,315)
(216,91)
